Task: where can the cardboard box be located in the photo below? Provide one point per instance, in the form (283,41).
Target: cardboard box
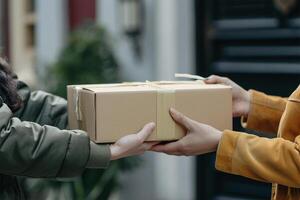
(110,111)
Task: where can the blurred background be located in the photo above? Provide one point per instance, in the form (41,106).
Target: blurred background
(53,43)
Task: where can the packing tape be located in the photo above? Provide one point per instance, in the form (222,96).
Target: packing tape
(189,76)
(165,100)
(124,84)
(76,100)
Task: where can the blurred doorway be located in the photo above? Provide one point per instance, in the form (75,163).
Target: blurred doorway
(257,44)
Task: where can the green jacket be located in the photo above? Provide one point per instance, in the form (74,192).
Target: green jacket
(34,144)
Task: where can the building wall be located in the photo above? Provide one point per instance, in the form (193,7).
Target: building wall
(50,21)
(21,54)
(167,48)
(51,33)
(167,39)
(132,69)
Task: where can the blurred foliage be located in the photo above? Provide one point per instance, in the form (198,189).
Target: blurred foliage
(87,58)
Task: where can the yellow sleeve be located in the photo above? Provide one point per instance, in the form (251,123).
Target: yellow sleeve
(265,112)
(269,160)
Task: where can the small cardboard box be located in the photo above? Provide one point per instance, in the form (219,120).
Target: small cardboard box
(110,111)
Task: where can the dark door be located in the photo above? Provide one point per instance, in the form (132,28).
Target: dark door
(257,44)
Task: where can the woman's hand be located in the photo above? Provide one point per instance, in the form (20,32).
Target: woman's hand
(240,97)
(133,144)
(199,139)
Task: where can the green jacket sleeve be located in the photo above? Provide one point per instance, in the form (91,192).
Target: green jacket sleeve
(47,109)
(29,149)
(33,144)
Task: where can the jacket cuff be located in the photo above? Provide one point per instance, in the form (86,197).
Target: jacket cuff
(99,156)
(77,155)
(225,151)
(265,112)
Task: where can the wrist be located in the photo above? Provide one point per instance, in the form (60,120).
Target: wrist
(99,156)
(113,152)
(247,102)
(219,136)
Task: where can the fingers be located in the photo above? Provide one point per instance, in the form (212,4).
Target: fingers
(148,145)
(169,148)
(146,131)
(152,143)
(181,119)
(214,79)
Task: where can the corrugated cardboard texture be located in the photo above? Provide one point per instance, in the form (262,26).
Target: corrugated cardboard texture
(110,112)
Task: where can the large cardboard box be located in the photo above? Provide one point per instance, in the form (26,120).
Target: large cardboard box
(110,111)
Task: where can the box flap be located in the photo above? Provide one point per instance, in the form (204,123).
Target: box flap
(149,86)
(87,108)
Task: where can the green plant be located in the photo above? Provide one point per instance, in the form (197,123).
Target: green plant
(87,58)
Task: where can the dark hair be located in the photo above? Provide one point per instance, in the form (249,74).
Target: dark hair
(8,87)
(9,185)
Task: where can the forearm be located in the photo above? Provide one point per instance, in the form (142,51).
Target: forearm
(265,112)
(29,149)
(269,160)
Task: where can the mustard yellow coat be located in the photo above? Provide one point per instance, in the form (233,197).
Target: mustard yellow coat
(275,160)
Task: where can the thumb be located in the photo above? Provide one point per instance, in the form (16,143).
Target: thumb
(146,131)
(181,119)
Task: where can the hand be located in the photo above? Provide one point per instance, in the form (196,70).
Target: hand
(199,139)
(133,144)
(240,97)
